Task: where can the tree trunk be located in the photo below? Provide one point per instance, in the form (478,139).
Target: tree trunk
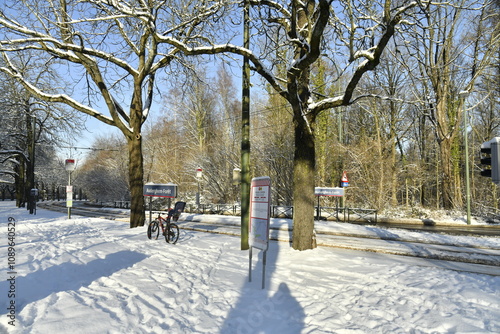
(20,181)
(136,174)
(303,187)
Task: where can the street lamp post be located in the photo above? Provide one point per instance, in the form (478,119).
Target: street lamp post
(463,94)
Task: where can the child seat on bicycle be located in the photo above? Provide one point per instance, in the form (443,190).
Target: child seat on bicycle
(177,210)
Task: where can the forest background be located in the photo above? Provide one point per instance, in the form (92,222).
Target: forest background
(402,144)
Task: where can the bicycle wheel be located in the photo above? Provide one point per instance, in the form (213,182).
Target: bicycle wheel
(153,230)
(172,234)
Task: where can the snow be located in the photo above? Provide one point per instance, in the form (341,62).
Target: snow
(91,275)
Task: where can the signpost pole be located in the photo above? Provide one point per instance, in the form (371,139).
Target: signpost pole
(69,196)
(317,211)
(250,265)
(150,209)
(264,269)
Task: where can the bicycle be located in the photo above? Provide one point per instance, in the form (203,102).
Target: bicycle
(169,229)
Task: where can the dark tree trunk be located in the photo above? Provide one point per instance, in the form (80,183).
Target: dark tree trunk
(303,187)
(136,173)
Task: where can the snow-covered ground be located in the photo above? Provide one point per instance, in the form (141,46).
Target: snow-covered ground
(89,275)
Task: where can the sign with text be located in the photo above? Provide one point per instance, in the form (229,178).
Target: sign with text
(69,196)
(322,191)
(160,190)
(260,203)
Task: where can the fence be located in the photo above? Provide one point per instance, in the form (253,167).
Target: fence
(281,211)
(277,211)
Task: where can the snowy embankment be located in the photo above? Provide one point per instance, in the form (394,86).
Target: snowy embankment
(89,275)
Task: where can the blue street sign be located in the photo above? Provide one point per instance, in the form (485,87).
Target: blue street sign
(160,190)
(322,191)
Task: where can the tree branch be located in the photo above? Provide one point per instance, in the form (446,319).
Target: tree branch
(62,98)
(228,48)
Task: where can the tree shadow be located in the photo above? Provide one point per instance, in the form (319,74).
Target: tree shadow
(66,276)
(264,310)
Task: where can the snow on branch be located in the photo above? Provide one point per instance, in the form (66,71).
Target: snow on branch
(258,66)
(39,41)
(373,55)
(10,154)
(327,103)
(10,70)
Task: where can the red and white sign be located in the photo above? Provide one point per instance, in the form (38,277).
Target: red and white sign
(344,177)
(199,173)
(344,181)
(70,165)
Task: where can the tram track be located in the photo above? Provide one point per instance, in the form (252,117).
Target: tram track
(438,251)
(85,211)
(384,243)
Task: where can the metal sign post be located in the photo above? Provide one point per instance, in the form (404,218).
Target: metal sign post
(323,191)
(344,182)
(260,205)
(151,190)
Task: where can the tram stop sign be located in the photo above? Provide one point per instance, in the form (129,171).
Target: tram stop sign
(168,190)
(323,191)
(260,202)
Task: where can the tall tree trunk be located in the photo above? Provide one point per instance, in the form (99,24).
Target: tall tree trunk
(448,121)
(30,163)
(393,136)
(136,177)
(20,180)
(303,187)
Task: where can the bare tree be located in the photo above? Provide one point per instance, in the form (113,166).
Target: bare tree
(28,122)
(441,49)
(113,50)
(103,175)
(352,35)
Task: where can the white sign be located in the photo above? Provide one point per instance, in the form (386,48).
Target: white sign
(69,196)
(160,190)
(260,203)
(70,165)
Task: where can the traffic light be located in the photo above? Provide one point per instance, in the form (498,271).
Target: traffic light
(490,157)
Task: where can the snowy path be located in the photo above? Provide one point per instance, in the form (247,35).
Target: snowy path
(90,275)
(350,236)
